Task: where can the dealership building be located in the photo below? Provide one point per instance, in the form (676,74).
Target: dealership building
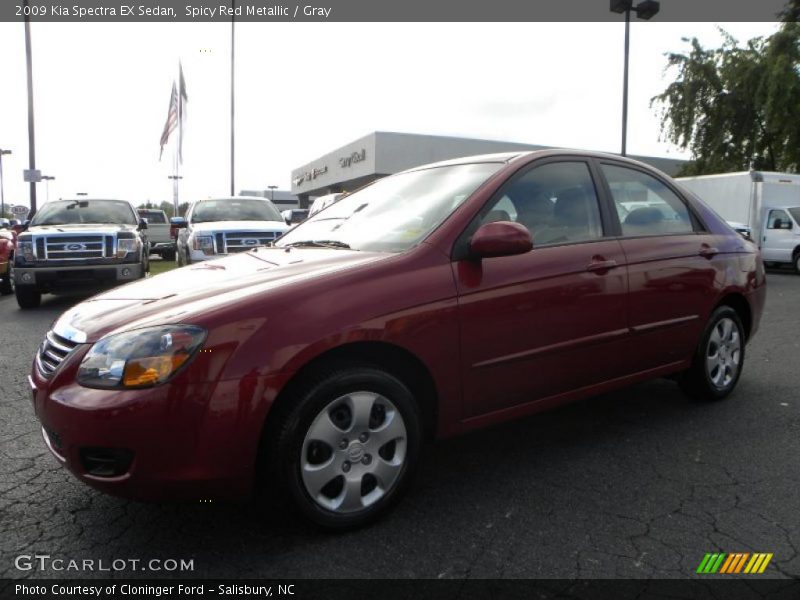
(382,153)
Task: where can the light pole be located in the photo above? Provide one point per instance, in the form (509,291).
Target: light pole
(31,136)
(2,193)
(272,189)
(233,122)
(647,9)
(47,179)
(175,200)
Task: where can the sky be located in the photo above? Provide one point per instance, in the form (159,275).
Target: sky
(101,94)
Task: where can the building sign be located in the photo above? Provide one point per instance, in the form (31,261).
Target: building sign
(355,157)
(310,175)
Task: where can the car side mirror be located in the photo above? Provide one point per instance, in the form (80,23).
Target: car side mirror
(142,223)
(177,222)
(501,238)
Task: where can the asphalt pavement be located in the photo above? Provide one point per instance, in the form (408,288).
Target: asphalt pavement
(640,483)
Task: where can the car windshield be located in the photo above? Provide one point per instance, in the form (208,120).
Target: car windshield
(72,212)
(392,214)
(795,214)
(235,210)
(153,216)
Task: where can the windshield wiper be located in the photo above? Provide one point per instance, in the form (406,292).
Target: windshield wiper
(319,244)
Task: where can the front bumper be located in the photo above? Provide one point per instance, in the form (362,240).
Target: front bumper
(183,440)
(162,246)
(88,275)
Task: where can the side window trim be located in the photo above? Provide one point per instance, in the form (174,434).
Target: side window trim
(698,226)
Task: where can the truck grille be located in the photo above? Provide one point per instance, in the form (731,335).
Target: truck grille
(52,352)
(241,241)
(76,247)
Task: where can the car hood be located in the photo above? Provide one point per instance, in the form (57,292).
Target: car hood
(80,228)
(240,226)
(183,295)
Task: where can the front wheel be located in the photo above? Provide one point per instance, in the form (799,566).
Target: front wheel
(347,450)
(719,358)
(27,296)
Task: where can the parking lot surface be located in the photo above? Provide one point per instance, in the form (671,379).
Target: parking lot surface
(637,483)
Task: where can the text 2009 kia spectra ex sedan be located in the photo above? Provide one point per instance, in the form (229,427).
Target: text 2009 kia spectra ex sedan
(432,302)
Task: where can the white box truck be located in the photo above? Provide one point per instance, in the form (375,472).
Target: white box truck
(768,203)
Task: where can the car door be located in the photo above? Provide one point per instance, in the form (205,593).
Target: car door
(673,264)
(778,240)
(551,320)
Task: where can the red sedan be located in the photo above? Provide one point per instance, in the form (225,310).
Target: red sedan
(429,303)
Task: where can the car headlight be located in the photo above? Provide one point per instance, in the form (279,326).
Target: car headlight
(204,243)
(125,246)
(140,358)
(25,250)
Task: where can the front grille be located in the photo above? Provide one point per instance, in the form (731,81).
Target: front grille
(74,247)
(52,352)
(241,241)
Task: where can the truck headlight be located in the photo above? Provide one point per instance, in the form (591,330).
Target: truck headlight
(140,358)
(25,250)
(125,246)
(204,243)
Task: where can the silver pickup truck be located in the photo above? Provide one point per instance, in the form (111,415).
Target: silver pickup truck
(158,232)
(75,244)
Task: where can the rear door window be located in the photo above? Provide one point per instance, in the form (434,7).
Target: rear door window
(645,205)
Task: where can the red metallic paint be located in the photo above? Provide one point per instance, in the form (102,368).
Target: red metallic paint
(500,337)
(501,238)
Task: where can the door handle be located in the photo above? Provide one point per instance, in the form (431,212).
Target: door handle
(601,266)
(707,251)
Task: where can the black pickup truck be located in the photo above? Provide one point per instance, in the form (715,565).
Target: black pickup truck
(77,244)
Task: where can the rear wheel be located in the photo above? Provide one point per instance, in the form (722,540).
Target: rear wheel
(797,263)
(719,358)
(347,450)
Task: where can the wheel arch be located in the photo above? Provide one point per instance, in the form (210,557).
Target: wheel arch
(742,307)
(397,361)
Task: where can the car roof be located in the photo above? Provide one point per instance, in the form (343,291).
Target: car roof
(507,157)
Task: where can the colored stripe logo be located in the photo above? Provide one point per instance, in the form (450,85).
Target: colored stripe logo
(734,563)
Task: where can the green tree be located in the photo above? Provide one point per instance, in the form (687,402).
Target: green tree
(735,107)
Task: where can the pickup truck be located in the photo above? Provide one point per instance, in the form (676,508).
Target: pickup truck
(158,232)
(219,226)
(76,244)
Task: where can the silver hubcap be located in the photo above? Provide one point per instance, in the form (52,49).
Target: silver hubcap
(724,353)
(353,452)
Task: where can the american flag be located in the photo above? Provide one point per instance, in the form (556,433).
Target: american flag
(172,119)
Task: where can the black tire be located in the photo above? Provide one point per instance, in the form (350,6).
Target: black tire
(703,382)
(27,296)
(796,261)
(5,285)
(290,449)
(168,255)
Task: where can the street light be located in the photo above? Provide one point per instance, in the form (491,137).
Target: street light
(647,9)
(47,179)
(2,194)
(272,189)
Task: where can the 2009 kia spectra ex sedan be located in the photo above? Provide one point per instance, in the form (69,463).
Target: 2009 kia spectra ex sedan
(435,301)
